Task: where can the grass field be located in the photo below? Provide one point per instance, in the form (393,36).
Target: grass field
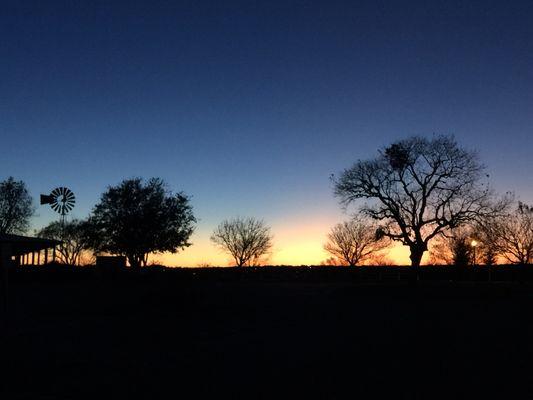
(229,334)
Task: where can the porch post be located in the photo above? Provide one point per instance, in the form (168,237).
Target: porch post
(5,261)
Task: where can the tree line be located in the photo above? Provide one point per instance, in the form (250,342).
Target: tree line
(425,193)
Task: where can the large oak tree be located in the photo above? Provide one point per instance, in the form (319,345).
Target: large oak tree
(419,188)
(136,218)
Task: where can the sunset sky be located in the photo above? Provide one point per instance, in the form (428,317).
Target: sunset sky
(249,107)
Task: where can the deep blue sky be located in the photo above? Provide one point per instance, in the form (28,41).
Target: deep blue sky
(250,106)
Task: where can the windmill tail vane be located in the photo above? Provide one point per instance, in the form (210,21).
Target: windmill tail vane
(61,199)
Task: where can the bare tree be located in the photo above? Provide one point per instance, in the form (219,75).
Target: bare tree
(354,241)
(420,188)
(245,239)
(16,206)
(514,235)
(73,239)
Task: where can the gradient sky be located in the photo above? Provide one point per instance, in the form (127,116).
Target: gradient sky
(250,106)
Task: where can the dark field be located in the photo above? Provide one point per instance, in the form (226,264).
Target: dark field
(275,333)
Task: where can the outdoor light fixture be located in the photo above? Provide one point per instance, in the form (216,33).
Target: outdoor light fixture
(474,244)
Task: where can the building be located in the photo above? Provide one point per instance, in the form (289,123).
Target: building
(25,250)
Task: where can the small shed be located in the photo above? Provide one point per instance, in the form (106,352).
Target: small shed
(25,250)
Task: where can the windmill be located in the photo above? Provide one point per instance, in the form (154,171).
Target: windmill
(62,201)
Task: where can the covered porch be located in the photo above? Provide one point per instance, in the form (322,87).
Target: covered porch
(24,250)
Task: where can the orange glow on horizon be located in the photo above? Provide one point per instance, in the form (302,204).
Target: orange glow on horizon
(299,252)
(296,242)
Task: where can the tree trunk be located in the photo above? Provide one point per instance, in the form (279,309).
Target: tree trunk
(417,251)
(134,262)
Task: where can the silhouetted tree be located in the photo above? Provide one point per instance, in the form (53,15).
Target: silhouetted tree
(488,250)
(454,248)
(421,188)
(245,239)
(135,219)
(354,241)
(333,262)
(73,237)
(16,206)
(514,235)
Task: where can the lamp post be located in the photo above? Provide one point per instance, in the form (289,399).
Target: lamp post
(474,244)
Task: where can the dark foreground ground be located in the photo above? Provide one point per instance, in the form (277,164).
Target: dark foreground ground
(189,335)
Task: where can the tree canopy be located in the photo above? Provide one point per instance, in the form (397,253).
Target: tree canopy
(16,206)
(136,218)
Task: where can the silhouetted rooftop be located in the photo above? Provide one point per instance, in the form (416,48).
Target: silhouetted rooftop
(26,244)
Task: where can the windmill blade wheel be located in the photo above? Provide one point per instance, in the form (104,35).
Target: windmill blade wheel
(62,200)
